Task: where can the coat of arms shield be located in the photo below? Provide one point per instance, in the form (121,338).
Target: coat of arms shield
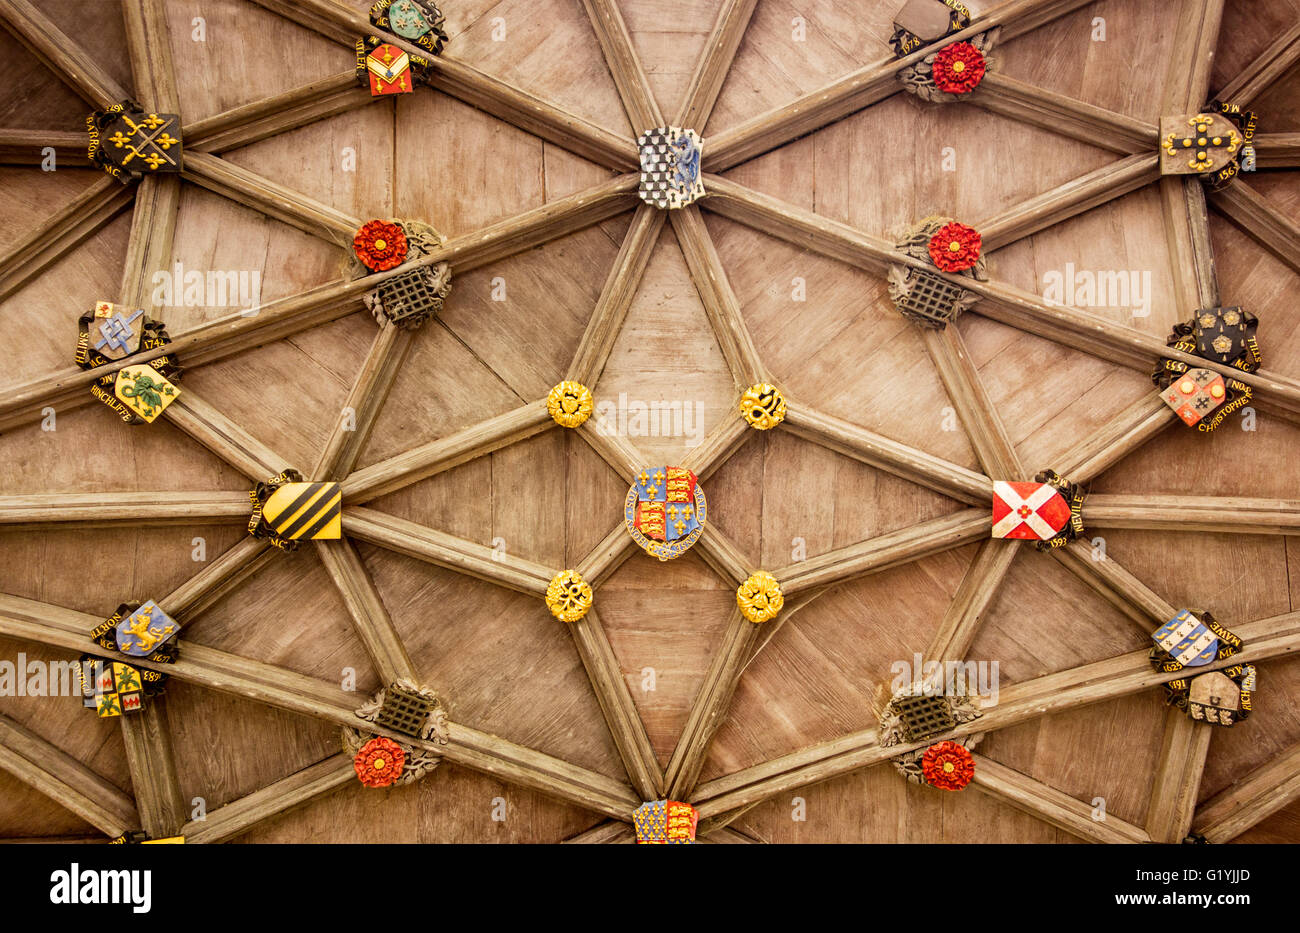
(111,688)
(1214,697)
(1028,511)
(129,142)
(145,631)
(1224,334)
(1197,144)
(670,167)
(665,511)
(1195,394)
(1187,640)
(114,331)
(144,390)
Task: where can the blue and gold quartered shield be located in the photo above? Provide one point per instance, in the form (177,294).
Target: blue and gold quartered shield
(665,511)
(1186,639)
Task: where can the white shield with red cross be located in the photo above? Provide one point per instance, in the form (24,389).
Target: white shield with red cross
(1028,511)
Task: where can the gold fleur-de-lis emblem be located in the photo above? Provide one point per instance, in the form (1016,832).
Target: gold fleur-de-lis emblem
(153,121)
(118,140)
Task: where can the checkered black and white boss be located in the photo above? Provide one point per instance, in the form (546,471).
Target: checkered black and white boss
(670,167)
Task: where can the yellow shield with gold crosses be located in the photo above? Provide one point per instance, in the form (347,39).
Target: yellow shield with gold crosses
(305,511)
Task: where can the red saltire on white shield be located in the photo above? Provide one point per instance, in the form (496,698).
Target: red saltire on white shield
(1031,511)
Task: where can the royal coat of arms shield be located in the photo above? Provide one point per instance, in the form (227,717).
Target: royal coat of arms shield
(1187,640)
(1028,511)
(665,822)
(665,511)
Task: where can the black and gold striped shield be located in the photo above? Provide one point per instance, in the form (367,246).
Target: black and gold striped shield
(302,511)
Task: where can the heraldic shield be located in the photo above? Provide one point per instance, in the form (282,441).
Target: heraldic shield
(1197,144)
(114,331)
(128,142)
(389,69)
(1195,394)
(1028,511)
(304,511)
(111,688)
(670,167)
(145,630)
(1225,334)
(920,22)
(1186,639)
(665,511)
(410,20)
(1214,697)
(665,822)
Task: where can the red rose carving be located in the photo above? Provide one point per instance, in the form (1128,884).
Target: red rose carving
(380,762)
(380,245)
(955,247)
(948,766)
(958,68)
